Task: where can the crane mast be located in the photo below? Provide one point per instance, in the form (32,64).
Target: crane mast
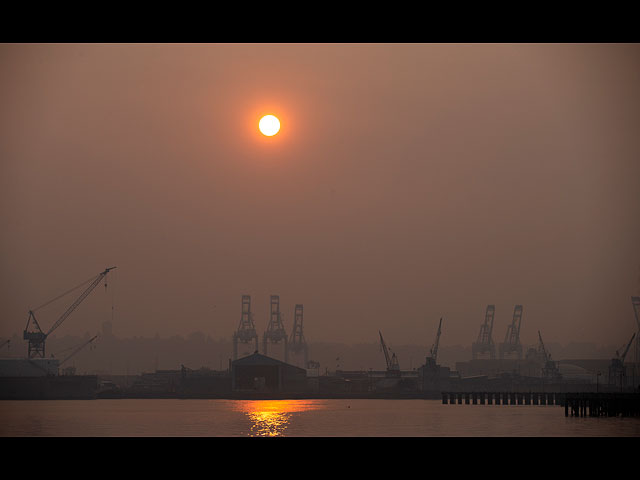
(36,337)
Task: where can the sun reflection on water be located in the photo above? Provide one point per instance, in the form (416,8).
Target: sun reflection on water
(271,418)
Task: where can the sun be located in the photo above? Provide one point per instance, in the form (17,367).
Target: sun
(269,125)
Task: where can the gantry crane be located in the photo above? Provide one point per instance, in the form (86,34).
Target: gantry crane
(485,343)
(432,358)
(36,337)
(297,342)
(393,369)
(246,332)
(275,332)
(511,342)
(616,368)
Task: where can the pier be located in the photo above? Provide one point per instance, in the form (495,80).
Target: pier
(602,405)
(503,398)
(575,404)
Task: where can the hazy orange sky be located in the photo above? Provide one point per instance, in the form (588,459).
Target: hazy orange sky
(409,182)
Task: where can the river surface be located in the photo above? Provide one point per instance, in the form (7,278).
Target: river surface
(297,418)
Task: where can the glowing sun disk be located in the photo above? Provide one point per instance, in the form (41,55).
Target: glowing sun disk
(269,125)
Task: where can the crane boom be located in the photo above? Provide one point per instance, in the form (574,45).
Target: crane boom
(484,337)
(513,331)
(626,350)
(79,300)
(37,337)
(544,351)
(434,348)
(78,349)
(392,361)
(384,349)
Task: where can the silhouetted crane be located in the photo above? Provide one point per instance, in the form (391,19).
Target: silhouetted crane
(297,342)
(511,342)
(246,332)
(37,337)
(275,332)
(485,343)
(550,368)
(392,362)
(431,360)
(616,368)
(76,350)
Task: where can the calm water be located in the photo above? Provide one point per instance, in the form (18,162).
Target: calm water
(297,418)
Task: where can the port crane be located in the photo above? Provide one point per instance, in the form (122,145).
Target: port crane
(511,342)
(36,337)
(297,342)
(550,368)
(392,362)
(431,360)
(246,332)
(616,368)
(484,343)
(275,332)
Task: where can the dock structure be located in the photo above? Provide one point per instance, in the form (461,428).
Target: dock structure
(575,404)
(602,405)
(503,398)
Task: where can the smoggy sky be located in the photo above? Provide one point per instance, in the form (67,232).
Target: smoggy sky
(409,182)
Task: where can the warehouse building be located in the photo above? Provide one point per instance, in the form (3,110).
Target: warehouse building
(258,372)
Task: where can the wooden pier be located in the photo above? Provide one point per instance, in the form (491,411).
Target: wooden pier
(602,405)
(503,398)
(575,404)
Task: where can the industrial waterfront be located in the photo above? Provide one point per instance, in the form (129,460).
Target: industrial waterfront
(496,368)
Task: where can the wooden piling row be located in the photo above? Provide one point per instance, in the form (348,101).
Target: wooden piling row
(602,405)
(575,404)
(503,398)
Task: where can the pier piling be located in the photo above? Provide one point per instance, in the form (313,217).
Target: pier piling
(575,404)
